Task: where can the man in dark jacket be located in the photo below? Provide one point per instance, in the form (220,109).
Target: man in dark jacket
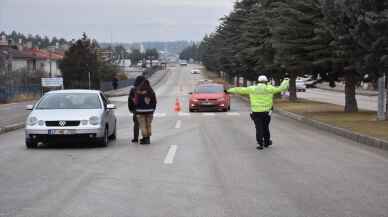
(132,107)
(145,100)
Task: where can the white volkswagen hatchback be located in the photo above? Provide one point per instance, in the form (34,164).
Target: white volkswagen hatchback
(71,115)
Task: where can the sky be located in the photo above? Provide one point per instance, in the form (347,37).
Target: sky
(115,20)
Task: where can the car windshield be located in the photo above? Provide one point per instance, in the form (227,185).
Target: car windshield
(209,89)
(70,101)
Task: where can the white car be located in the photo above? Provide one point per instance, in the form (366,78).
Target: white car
(195,71)
(71,115)
(300,85)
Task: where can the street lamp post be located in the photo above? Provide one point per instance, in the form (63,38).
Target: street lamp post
(381,99)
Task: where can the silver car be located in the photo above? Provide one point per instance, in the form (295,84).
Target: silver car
(71,115)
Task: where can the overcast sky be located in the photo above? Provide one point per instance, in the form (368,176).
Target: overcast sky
(119,20)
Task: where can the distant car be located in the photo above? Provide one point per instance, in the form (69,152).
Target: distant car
(71,115)
(195,71)
(209,97)
(183,63)
(300,86)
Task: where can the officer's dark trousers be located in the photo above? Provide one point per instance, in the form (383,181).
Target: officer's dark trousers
(262,121)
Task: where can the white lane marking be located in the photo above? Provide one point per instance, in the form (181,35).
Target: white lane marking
(208,114)
(233,114)
(160,115)
(183,114)
(171,154)
(178,124)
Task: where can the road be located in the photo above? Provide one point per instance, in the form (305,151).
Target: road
(201,164)
(364,102)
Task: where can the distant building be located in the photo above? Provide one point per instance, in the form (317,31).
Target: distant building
(105,54)
(23,57)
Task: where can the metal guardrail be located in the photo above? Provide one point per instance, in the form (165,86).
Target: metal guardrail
(107,85)
(8,93)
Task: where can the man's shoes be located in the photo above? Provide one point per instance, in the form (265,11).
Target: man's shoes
(260,147)
(135,141)
(145,141)
(268,143)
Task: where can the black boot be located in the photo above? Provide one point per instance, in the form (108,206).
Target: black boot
(135,140)
(260,147)
(142,141)
(268,143)
(145,141)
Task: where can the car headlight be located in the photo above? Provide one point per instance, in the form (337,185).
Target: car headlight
(94,120)
(195,100)
(31,121)
(220,99)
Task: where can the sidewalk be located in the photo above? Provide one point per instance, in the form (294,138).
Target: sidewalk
(341,88)
(13,115)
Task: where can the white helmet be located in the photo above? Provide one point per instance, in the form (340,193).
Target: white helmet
(263,78)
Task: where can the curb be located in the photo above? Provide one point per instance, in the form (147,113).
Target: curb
(360,138)
(341,91)
(11,127)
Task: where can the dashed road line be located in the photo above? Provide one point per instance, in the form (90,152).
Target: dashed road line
(178,124)
(170,155)
(233,114)
(160,115)
(183,114)
(208,114)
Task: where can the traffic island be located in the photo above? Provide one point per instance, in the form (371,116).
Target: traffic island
(362,127)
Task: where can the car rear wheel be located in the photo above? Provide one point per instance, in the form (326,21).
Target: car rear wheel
(31,144)
(191,110)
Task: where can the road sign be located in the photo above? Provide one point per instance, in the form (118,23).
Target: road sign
(52,82)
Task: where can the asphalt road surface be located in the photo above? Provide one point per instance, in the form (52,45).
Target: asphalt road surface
(201,164)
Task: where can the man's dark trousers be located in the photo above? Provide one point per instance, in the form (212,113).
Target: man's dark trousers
(262,121)
(135,127)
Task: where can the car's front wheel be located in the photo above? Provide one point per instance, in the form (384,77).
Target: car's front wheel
(31,144)
(103,142)
(114,135)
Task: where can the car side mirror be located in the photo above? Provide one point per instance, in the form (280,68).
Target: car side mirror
(225,91)
(30,107)
(111,106)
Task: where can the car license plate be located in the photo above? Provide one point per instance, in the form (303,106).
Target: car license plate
(207,103)
(62,132)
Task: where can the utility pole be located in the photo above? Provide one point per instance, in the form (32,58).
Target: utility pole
(381,113)
(386,96)
(89,80)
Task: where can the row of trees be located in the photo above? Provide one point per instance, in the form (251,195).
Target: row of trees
(332,38)
(194,52)
(137,56)
(36,40)
(81,64)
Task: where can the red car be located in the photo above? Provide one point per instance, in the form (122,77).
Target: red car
(209,97)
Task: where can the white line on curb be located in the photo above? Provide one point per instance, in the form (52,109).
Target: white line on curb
(171,154)
(178,124)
